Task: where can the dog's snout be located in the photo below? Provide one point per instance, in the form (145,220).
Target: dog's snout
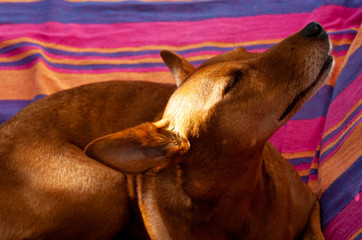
(313,29)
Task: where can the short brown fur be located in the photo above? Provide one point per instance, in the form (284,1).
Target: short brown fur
(193,164)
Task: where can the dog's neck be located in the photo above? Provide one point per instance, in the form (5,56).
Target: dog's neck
(200,192)
(209,174)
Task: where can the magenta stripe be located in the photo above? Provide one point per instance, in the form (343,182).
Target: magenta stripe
(163,33)
(347,222)
(343,103)
(278,138)
(301,167)
(339,53)
(339,17)
(158,33)
(312,177)
(303,135)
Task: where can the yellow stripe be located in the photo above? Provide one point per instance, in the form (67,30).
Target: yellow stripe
(350,150)
(304,172)
(337,69)
(152,47)
(341,41)
(313,184)
(331,144)
(346,29)
(355,234)
(27,83)
(298,154)
(90,61)
(314,165)
(140,48)
(337,125)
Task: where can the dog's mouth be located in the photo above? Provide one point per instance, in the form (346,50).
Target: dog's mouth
(322,75)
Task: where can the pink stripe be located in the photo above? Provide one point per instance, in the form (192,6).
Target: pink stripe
(334,137)
(333,17)
(339,53)
(278,138)
(312,177)
(346,100)
(301,167)
(303,135)
(163,33)
(347,222)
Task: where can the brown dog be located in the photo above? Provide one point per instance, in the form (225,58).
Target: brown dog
(204,171)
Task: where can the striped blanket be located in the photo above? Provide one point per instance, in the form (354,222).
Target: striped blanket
(50,45)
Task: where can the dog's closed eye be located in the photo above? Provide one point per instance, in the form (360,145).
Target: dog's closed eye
(236,76)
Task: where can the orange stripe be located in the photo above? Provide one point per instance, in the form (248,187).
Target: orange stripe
(357,42)
(337,125)
(338,62)
(25,84)
(339,42)
(354,236)
(304,172)
(71,61)
(331,144)
(298,154)
(350,150)
(313,184)
(154,47)
(141,48)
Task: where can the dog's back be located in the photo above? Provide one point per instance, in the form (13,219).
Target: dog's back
(63,188)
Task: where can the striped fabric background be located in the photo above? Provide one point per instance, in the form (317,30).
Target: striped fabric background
(50,45)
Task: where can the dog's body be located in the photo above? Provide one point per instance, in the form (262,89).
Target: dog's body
(49,188)
(203,171)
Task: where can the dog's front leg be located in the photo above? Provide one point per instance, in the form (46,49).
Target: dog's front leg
(313,229)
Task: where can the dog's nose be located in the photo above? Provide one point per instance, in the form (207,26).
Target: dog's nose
(313,29)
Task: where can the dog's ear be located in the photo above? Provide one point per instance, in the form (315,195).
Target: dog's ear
(143,149)
(179,66)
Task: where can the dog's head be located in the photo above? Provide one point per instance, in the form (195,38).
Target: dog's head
(233,102)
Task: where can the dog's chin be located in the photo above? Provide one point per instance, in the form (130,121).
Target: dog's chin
(305,94)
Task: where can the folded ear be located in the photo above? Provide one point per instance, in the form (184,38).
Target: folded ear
(144,148)
(179,66)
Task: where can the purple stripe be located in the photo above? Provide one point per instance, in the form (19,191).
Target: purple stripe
(326,155)
(8,108)
(347,222)
(302,160)
(138,11)
(334,134)
(341,192)
(343,32)
(349,73)
(317,106)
